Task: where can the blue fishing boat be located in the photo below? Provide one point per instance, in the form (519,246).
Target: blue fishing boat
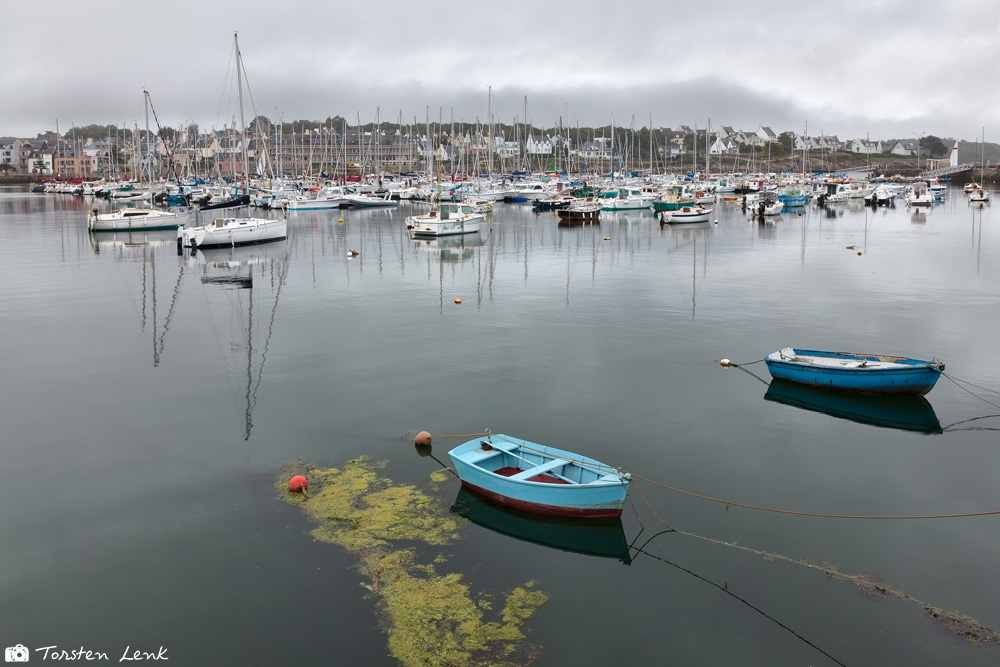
(849,371)
(539,479)
(792,197)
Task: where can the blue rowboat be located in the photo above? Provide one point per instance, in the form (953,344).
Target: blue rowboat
(539,479)
(848,371)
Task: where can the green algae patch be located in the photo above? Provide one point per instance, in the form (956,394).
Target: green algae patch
(431,618)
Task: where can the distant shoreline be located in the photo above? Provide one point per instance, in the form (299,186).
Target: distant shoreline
(884,165)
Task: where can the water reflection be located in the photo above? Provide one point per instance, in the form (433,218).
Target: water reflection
(242,286)
(907,413)
(451,248)
(119,240)
(141,248)
(604,538)
(691,236)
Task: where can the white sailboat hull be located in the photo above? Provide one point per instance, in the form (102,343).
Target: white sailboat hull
(134,219)
(233,232)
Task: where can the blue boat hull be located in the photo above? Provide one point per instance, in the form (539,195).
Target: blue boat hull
(875,374)
(603,497)
(793,200)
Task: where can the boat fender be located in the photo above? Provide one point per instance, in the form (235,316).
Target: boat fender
(298,484)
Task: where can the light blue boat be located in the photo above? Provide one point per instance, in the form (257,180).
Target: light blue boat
(849,371)
(793,197)
(539,479)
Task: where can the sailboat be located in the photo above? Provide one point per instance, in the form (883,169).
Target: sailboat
(980,195)
(223,232)
(446,218)
(136,219)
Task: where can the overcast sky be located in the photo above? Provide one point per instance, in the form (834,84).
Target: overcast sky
(850,68)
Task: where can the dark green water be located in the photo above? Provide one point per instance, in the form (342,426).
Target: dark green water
(147,405)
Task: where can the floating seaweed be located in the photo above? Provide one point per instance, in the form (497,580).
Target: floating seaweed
(430,618)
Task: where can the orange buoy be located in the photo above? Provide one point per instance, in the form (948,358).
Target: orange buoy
(298,484)
(423,439)
(458,301)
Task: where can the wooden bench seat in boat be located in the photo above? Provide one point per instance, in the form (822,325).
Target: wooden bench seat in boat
(539,469)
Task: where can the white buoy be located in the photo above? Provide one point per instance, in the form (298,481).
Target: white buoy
(725,363)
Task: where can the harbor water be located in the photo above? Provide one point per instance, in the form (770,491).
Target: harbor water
(151,400)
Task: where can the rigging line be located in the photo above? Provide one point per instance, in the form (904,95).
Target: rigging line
(970,392)
(729,503)
(227,83)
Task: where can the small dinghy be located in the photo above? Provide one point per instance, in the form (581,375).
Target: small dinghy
(849,371)
(539,479)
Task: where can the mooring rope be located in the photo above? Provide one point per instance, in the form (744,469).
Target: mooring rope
(730,503)
(955,381)
(602,467)
(464,435)
(725,363)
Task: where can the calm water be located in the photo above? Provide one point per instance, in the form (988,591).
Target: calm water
(148,403)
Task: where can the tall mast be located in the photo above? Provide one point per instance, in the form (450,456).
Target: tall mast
(612,149)
(489,135)
(708,129)
(149,152)
(243,125)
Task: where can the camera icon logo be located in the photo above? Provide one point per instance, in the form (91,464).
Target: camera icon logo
(17,653)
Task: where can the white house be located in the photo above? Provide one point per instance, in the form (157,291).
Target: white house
(865,146)
(538,145)
(505,149)
(723,146)
(766,135)
(11,154)
(823,143)
(902,148)
(595,149)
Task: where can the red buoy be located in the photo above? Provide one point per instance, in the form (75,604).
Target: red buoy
(298,484)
